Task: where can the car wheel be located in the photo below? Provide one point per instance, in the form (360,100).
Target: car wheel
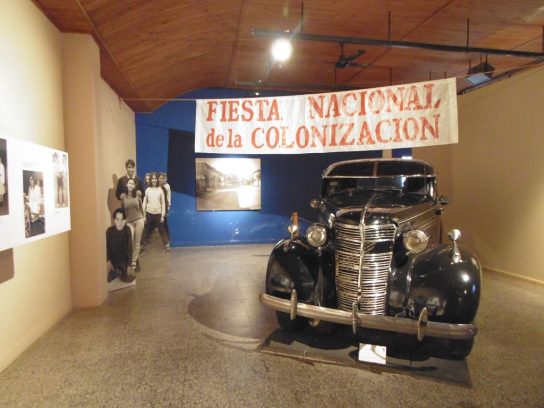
(285,322)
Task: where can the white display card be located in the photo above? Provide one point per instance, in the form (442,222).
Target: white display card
(35,202)
(370,353)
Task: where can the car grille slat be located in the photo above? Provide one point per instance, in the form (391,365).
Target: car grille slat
(363,262)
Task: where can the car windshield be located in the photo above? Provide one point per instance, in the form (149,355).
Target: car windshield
(423,187)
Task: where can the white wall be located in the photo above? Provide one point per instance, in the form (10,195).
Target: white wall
(31,109)
(100,136)
(117,130)
(497,174)
(51,93)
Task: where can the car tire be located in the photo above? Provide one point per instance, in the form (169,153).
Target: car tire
(285,322)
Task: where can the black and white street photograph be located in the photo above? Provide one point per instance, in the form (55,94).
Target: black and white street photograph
(228,184)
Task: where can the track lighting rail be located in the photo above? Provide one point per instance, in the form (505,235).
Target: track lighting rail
(394,44)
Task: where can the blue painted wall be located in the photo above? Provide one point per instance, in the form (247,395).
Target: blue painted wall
(165,142)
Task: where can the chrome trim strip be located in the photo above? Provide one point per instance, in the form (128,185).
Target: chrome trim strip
(413,217)
(384,176)
(362,265)
(361,254)
(387,323)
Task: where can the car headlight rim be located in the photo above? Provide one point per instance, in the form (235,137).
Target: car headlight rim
(415,241)
(316,235)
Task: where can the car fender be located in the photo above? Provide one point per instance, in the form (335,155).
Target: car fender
(294,264)
(448,287)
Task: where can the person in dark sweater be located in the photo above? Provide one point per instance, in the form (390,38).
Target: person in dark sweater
(121,189)
(119,248)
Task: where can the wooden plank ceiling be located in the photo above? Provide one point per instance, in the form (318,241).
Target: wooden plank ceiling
(155,50)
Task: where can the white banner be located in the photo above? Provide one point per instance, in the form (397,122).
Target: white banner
(34,187)
(410,115)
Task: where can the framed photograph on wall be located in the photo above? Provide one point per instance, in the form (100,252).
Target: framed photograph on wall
(34,210)
(4,196)
(60,179)
(228,184)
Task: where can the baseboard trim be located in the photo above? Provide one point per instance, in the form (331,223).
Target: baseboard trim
(513,275)
(29,338)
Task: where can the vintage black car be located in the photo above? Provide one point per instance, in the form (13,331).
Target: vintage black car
(376,259)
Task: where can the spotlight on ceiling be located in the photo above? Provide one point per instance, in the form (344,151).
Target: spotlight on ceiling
(480,73)
(281,49)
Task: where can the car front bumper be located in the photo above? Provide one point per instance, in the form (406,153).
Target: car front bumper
(421,327)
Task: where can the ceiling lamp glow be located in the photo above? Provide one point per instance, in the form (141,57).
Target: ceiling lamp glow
(281,49)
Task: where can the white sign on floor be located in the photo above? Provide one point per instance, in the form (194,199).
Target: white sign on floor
(370,353)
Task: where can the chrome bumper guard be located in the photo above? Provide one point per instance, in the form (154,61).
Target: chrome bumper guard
(421,327)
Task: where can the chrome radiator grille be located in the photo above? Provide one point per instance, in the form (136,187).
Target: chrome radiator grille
(363,260)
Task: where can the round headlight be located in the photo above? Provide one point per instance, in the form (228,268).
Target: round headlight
(415,241)
(316,235)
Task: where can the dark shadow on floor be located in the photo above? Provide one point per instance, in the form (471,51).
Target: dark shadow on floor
(404,353)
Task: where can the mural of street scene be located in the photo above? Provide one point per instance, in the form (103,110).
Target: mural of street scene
(228,184)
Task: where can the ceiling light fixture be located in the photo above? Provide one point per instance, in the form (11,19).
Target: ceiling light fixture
(281,49)
(480,74)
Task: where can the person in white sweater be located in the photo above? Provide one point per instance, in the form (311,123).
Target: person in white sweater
(155,209)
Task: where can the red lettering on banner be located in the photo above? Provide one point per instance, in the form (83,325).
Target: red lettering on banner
(321,137)
(362,105)
(274,133)
(429,97)
(333,107)
(254,137)
(347,133)
(284,138)
(218,140)
(234,140)
(327,106)
(382,117)
(274,111)
(333,135)
(396,99)
(315,107)
(306,137)
(413,99)
(376,105)
(247,116)
(379,137)
(271,114)
(233,110)
(428,126)
(346,104)
(260,116)
(210,139)
(223,111)
(365,137)
(406,130)
(397,139)
(211,110)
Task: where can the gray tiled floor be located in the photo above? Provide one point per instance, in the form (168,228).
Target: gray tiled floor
(188,334)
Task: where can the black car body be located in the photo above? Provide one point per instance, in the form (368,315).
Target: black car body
(376,258)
